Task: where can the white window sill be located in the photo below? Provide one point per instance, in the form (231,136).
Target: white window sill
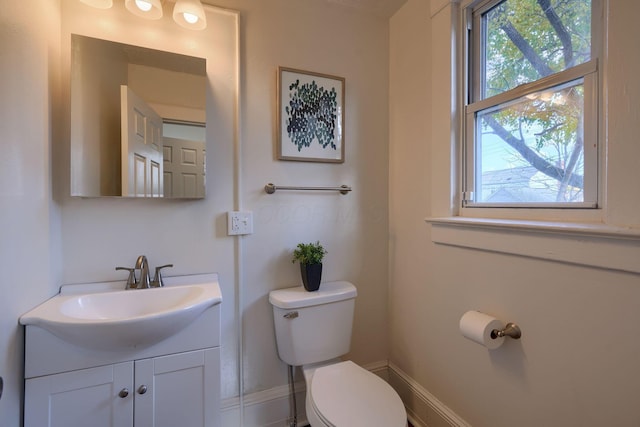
(588,244)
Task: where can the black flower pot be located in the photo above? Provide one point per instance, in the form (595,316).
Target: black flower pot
(311,275)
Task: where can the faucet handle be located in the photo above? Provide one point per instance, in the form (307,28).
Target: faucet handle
(157,279)
(131,281)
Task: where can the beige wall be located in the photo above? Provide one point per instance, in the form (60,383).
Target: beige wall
(576,364)
(97,73)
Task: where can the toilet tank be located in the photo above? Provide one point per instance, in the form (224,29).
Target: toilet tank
(315,326)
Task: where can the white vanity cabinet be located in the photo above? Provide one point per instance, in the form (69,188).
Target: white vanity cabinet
(167,391)
(180,389)
(172,383)
(81,398)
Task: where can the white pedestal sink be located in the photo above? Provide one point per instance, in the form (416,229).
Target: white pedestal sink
(106,317)
(96,354)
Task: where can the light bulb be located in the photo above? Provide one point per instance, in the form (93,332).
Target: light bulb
(148,9)
(190,17)
(143,5)
(190,14)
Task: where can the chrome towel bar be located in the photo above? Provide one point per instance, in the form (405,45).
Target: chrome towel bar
(271,188)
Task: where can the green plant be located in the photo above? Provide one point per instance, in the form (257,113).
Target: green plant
(309,253)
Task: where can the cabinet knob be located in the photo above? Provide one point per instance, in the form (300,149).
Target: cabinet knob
(142,389)
(124,393)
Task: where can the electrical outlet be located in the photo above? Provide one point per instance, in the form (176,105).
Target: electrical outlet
(239,223)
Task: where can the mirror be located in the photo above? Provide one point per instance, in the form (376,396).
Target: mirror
(138,121)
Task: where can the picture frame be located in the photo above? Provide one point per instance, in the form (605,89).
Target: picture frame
(310,116)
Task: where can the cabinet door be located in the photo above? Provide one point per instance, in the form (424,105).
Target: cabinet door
(178,390)
(87,397)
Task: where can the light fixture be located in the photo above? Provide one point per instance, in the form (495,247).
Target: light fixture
(186,13)
(100,4)
(190,14)
(149,9)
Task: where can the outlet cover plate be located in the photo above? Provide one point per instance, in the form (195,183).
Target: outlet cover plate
(239,223)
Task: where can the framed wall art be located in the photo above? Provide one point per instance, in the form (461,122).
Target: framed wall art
(310,116)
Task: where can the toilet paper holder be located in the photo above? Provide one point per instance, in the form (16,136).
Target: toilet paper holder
(510,330)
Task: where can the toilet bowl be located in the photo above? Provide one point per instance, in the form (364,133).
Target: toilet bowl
(344,394)
(313,329)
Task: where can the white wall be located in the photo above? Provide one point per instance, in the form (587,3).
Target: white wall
(100,234)
(576,364)
(326,38)
(29,243)
(51,240)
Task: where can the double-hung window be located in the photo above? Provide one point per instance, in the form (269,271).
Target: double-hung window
(531,113)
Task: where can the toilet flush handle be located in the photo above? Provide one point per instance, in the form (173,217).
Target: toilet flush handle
(291,315)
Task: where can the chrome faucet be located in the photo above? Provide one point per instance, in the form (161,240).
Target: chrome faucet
(144,281)
(139,275)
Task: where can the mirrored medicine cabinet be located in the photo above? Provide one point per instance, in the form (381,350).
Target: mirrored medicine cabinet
(138,121)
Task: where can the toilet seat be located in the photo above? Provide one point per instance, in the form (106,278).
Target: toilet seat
(346,395)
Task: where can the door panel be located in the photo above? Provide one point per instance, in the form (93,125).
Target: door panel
(184,167)
(141,151)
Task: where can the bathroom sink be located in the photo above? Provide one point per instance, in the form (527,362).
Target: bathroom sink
(123,319)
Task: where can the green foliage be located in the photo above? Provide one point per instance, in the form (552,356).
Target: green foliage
(530,39)
(526,40)
(309,253)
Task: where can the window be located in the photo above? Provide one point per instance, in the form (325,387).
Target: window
(531,119)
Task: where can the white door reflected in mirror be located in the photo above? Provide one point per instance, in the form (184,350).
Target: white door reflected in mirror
(121,97)
(141,147)
(184,168)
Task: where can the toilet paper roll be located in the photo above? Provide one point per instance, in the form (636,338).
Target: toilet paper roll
(478,327)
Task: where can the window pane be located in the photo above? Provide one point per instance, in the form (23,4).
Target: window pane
(531,150)
(525,40)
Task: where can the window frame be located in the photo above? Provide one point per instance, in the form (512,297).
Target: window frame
(473,68)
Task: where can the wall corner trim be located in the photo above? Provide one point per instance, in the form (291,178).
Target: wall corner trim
(438,5)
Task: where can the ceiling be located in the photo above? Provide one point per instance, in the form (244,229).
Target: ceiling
(384,8)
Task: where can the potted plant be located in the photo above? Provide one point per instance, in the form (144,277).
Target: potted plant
(310,256)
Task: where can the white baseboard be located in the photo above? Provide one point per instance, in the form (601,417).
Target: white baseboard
(266,408)
(271,408)
(423,408)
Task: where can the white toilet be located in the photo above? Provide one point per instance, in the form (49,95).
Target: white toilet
(312,330)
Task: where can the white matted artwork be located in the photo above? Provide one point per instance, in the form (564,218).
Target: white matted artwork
(310,116)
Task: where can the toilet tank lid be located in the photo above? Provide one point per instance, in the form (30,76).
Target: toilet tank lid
(299,297)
